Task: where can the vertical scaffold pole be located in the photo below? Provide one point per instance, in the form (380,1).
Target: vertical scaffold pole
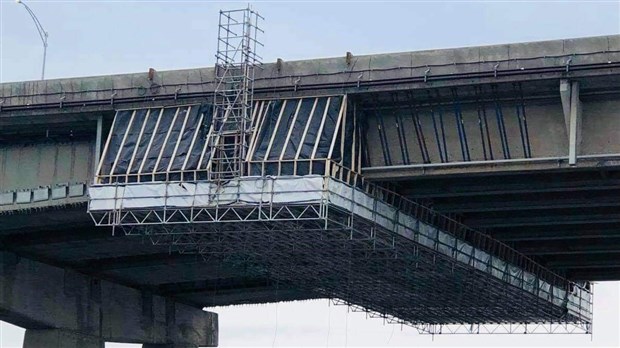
(236,60)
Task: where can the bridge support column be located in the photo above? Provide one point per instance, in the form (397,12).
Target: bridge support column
(58,338)
(70,309)
(571,104)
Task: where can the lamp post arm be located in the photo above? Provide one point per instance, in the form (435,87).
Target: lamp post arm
(42,34)
(37,23)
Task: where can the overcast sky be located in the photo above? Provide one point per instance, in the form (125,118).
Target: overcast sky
(109,37)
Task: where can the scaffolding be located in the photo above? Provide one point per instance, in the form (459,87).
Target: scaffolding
(304,217)
(275,186)
(364,246)
(236,60)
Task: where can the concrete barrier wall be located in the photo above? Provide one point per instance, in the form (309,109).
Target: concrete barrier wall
(339,71)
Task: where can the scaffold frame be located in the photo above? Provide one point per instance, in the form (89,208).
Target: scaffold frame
(236,60)
(330,224)
(302,215)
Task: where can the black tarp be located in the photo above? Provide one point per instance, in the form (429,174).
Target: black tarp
(329,128)
(159,136)
(267,129)
(119,127)
(131,139)
(194,156)
(315,122)
(283,127)
(298,128)
(174,136)
(147,133)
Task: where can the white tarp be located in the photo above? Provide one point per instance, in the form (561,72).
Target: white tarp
(203,194)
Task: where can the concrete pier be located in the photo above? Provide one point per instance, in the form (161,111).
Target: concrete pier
(63,308)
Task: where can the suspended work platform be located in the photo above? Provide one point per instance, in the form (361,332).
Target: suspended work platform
(302,215)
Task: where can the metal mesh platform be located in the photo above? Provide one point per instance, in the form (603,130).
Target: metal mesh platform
(318,234)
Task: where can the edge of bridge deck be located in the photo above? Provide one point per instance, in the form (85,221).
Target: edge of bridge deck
(349,73)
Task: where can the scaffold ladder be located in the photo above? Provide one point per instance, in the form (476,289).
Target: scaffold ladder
(236,60)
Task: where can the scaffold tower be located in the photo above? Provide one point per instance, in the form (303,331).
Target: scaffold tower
(236,60)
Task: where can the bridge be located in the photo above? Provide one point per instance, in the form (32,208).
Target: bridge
(455,190)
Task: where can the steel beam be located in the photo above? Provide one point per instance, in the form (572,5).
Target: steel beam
(610,247)
(98,137)
(588,261)
(55,235)
(463,188)
(513,202)
(549,220)
(536,235)
(594,274)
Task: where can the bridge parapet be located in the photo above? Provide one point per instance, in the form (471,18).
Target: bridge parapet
(569,58)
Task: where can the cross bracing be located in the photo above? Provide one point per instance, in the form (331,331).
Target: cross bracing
(307,218)
(236,59)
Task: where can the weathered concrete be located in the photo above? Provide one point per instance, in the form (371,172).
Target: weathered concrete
(71,308)
(421,69)
(44,174)
(24,166)
(57,338)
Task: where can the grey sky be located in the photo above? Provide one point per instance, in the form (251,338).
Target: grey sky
(108,37)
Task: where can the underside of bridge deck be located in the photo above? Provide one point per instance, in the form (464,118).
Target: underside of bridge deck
(134,261)
(566,219)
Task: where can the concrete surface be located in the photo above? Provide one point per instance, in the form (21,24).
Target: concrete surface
(70,308)
(421,69)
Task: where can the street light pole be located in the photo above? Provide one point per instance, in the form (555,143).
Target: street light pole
(42,34)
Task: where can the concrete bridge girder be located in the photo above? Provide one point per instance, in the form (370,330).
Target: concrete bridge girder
(64,308)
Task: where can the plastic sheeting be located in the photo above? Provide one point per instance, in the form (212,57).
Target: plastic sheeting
(172,139)
(132,135)
(155,140)
(158,144)
(301,129)
(249,190)
(115,139)
(329,128)
(143,142)
(298,127)
(314,123)
(268,126)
